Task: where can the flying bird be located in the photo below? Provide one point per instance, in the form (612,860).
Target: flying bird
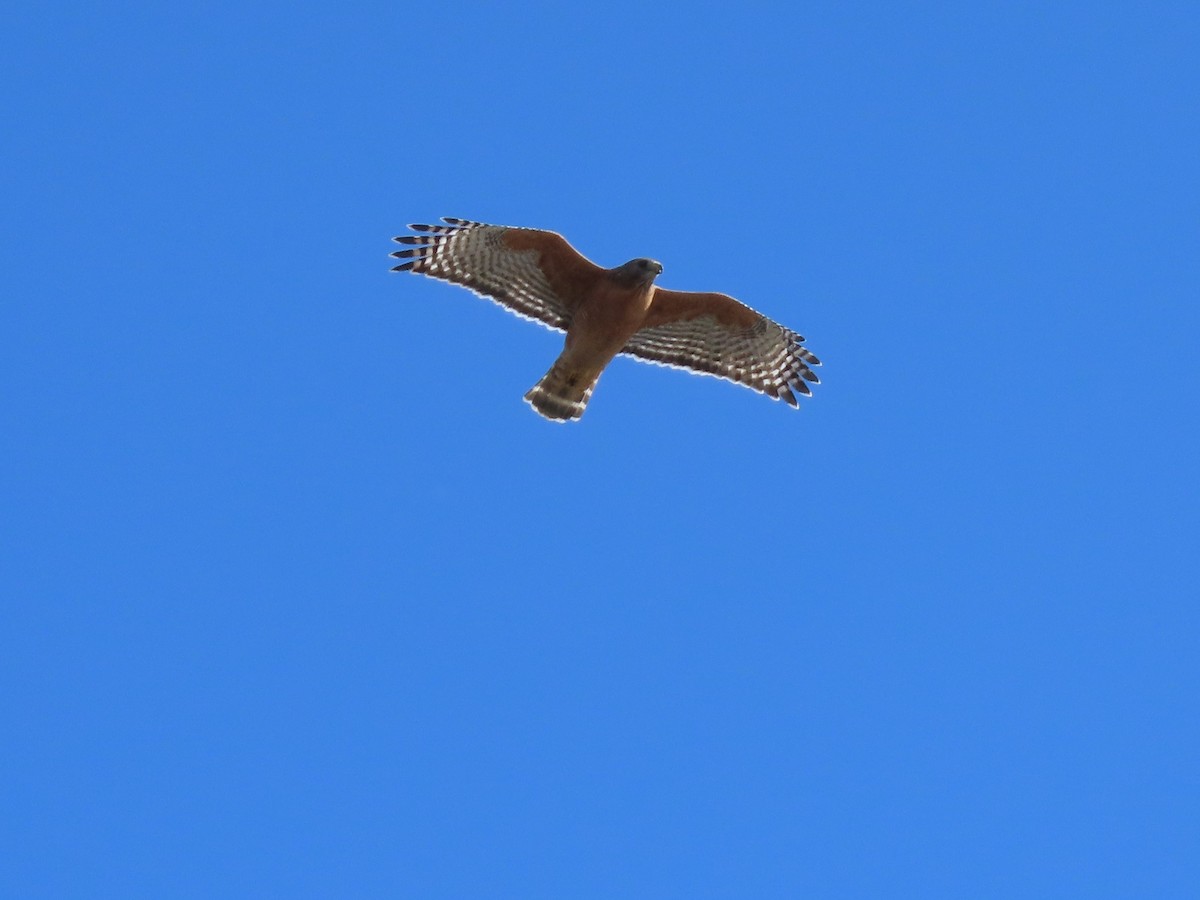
(538,275)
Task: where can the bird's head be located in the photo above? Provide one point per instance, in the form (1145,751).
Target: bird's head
(638,271)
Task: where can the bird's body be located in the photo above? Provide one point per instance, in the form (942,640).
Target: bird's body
(604,312)
(608,315)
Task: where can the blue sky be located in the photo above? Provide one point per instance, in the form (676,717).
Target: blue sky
(300,599)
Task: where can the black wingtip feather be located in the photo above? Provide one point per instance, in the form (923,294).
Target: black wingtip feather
(406,266)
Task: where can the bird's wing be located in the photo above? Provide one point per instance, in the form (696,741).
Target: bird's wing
(535,274)
(716,335)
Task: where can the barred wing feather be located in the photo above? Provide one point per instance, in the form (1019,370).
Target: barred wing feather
(716,335)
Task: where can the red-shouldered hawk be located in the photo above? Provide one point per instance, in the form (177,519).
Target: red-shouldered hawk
(539,276)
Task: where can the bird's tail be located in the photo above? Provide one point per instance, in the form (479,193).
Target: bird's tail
(563,393)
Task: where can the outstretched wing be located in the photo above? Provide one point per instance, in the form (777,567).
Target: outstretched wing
(535,274)
(716,335)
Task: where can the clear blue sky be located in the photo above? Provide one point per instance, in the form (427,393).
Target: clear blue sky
(300,599)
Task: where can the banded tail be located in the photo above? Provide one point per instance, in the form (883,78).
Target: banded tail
(562,394)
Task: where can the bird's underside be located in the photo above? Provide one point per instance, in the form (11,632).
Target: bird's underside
(539,276)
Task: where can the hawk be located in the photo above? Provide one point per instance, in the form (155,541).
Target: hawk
(538,275)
